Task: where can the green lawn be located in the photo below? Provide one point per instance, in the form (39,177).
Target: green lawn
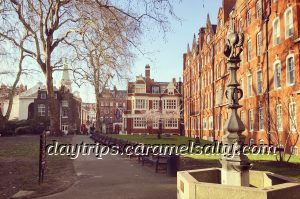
(260,162)
(19,167)
(152,139)
(252,157)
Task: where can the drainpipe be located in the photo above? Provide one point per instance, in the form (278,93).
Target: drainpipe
(200,101)
(267,14)
(267,18)
(213,91)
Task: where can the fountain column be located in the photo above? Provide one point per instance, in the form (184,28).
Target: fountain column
(235,165)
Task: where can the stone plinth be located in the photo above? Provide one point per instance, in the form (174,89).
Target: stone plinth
(206,183)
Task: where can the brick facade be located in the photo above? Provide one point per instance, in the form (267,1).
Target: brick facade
(69,106)
(112,105)
(153,105)
(268,73)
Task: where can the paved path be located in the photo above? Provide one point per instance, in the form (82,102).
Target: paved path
(116,177)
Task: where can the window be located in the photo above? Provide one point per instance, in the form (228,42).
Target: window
(279,117)
(155,89)
(217,71)
(259,44)
(243,116)
(41,110)
(290,65)
(251,142)
(249,50)
(211,122)
(259,82)
(242,86)
(64,127)
(140,104)
(171,91)
(261,119)
(276,31)
(139,122)
(155,123)
(249,89)
(258,9)
(220,70)
(250,118)
(65,113)
(43,95)
(140,88)
(240,25)
(171,123)
(261,142)
(217,122)
(169,104)
(288,20)
(292,116)
(64,103)
(204,124)
(277,74)
(294,150)
(248,17)
(155,104)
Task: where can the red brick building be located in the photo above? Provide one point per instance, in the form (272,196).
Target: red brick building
(268,73)
(112,105)
(151,105)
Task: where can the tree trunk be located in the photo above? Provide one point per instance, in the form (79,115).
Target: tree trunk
(3,121)
(52,105)
(98,122)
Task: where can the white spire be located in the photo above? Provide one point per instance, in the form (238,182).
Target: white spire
(65,79)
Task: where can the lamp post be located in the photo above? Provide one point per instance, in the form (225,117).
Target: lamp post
(235,165)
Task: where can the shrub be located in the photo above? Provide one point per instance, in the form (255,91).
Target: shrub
(24,130)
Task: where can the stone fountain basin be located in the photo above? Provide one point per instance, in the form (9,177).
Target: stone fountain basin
(206,183)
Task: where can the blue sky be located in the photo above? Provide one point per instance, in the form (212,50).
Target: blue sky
(166,57)
(166,63)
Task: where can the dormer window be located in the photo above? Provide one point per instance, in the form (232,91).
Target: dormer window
(43,95)
(140,88)
(155,89)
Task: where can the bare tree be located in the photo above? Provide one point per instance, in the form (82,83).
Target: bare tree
(103,52)
(5,116)
(283,134)
(51,24)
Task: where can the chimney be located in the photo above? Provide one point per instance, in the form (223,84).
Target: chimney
(174,81)
(147,71)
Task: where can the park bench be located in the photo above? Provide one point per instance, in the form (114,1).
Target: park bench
(159,161)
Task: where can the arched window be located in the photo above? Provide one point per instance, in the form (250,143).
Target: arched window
(258,9)
(277,74)
(276,31)
(292,116)
(248,17)
(288,22)
(290,70)
(261,142)
(294,150)
(249,50)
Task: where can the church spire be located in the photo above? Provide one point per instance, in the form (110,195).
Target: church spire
(65,78)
